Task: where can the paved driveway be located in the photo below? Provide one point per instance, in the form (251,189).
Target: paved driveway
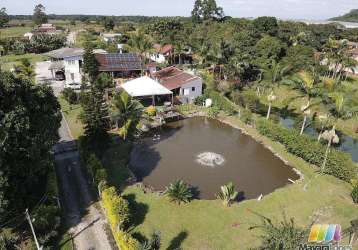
(44,76)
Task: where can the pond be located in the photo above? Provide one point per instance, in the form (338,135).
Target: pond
(207,154)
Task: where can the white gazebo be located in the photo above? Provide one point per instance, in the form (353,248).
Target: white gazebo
(146,87)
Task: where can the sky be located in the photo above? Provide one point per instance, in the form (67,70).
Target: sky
(285,9)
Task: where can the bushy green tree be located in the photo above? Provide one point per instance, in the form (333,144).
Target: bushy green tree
(266,25)
(269,49)
(4,17)
(41,43)
(29,122)
(108,23)
(39,16)
(299,57)
(205,10)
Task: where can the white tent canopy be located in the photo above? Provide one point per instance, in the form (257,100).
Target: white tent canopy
(145,86)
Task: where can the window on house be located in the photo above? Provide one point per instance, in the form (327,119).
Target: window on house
(72,76)
(193,89)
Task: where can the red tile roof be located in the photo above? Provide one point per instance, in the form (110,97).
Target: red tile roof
(173,78)
(165,49)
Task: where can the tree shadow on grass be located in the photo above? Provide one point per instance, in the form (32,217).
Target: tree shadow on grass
(176,242)
(138,210)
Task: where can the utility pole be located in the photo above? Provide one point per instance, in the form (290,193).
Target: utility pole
(32,229)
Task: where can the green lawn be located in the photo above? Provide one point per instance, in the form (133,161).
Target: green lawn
(7,62)
(14,31)
(209,225)
(71,113)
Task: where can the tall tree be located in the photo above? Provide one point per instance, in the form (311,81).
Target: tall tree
(95,112)
(39,17)
(90,66)
(29,122)
(205,10)
(266,25)
(108,23)
(4,17)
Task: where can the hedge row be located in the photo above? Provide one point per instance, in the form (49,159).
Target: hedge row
(117,210)
(339,164)
(116,207)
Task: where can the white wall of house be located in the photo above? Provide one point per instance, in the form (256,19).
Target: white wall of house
(158,58)
(72,69)
(192,89)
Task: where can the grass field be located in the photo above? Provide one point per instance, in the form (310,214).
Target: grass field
(9,61)
(204,224)
(14,31)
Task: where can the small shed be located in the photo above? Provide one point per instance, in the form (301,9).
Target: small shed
(145,87)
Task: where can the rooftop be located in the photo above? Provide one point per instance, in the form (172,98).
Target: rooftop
(173,78)
(119,62)
(145,86)
(165,49)
(65,52)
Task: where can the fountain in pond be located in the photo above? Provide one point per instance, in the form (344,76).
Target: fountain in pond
(210,159)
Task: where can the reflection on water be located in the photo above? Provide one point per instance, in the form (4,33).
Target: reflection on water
(251,167)
(347,144)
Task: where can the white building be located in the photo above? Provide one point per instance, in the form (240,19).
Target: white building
(185,86)
(72,61)
(162,53)
(110,37)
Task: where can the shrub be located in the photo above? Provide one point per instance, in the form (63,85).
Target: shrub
(213,112)
(227,194)
(151,111)
(354,194)
(117,210)
(200,100)
(246,116)
(247,99)
(179,192)
(339,164)
(70,96)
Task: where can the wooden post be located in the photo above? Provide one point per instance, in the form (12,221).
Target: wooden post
(153,101)
(172,99)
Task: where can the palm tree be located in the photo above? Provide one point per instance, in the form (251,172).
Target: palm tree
(306,82)
(270,98)
(227,194)
(125,112)
(276,73)
(179,192)
(279,235)
(25,69)
(331,137)
(141,44)
(153,243)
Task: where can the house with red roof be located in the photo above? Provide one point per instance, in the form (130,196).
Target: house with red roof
(184,85)
(162,53)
